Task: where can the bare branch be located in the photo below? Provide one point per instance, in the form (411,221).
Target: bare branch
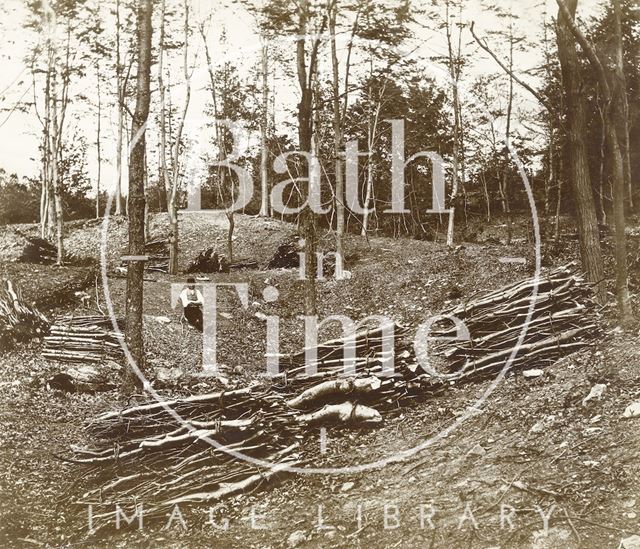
(506,69)
(588,50)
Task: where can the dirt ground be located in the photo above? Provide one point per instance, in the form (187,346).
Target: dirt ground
(534,465)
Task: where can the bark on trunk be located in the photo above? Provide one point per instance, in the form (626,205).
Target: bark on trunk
(55,176)
(232,225)
(618,145)
(147,226)
(45,219)
(621,105)
(173,234)
(220,141)
(587,221)
(617,175)
(305,129)
(372,128)
(163,180)
(337,144)
(613,111)
(454,73)
(173,203)
(487,200)
(601,161)
(504,189)
(264,158)
(135,270)
(98,147)
(556,227)
(120,95)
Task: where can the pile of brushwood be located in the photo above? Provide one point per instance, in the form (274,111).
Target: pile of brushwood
(87,339)
(19,320)
(208,261)
(285,257)
(204,448)
(38,250)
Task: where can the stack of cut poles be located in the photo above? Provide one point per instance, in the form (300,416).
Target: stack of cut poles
(200,449)
(82,339)
(243,264)
(558,324)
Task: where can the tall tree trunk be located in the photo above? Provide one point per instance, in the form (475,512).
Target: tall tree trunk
(45,220)
(368,191)
(51,202)
(487,199)
(264,153)
(56,126)
(117,195)
(454,76)
(173,203)
(120,130)
(161,187)
(337,143)
(51,151)
(173,227)
(221,141)
(58,118)
(551,174)
(556,227)
(232,226)
(618,138)
(305,131)
(617,175)
(621,108)
(614,109)
(163,182)
(44,206)
(98,147)
(135,270)
(372,128)
(587,221)
(601,161)
(549,180)
(147,225)
(504,191)
(463,173)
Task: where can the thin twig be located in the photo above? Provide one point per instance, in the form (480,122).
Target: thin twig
(573,527)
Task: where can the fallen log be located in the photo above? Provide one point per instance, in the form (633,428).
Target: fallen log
(337,387)
(347,413)
(243,264)
(86,379)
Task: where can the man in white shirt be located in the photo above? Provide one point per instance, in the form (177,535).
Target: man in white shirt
(192,303)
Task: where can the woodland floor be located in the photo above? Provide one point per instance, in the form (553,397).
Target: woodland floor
(542,450)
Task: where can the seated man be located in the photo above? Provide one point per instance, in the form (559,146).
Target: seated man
(192,303)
